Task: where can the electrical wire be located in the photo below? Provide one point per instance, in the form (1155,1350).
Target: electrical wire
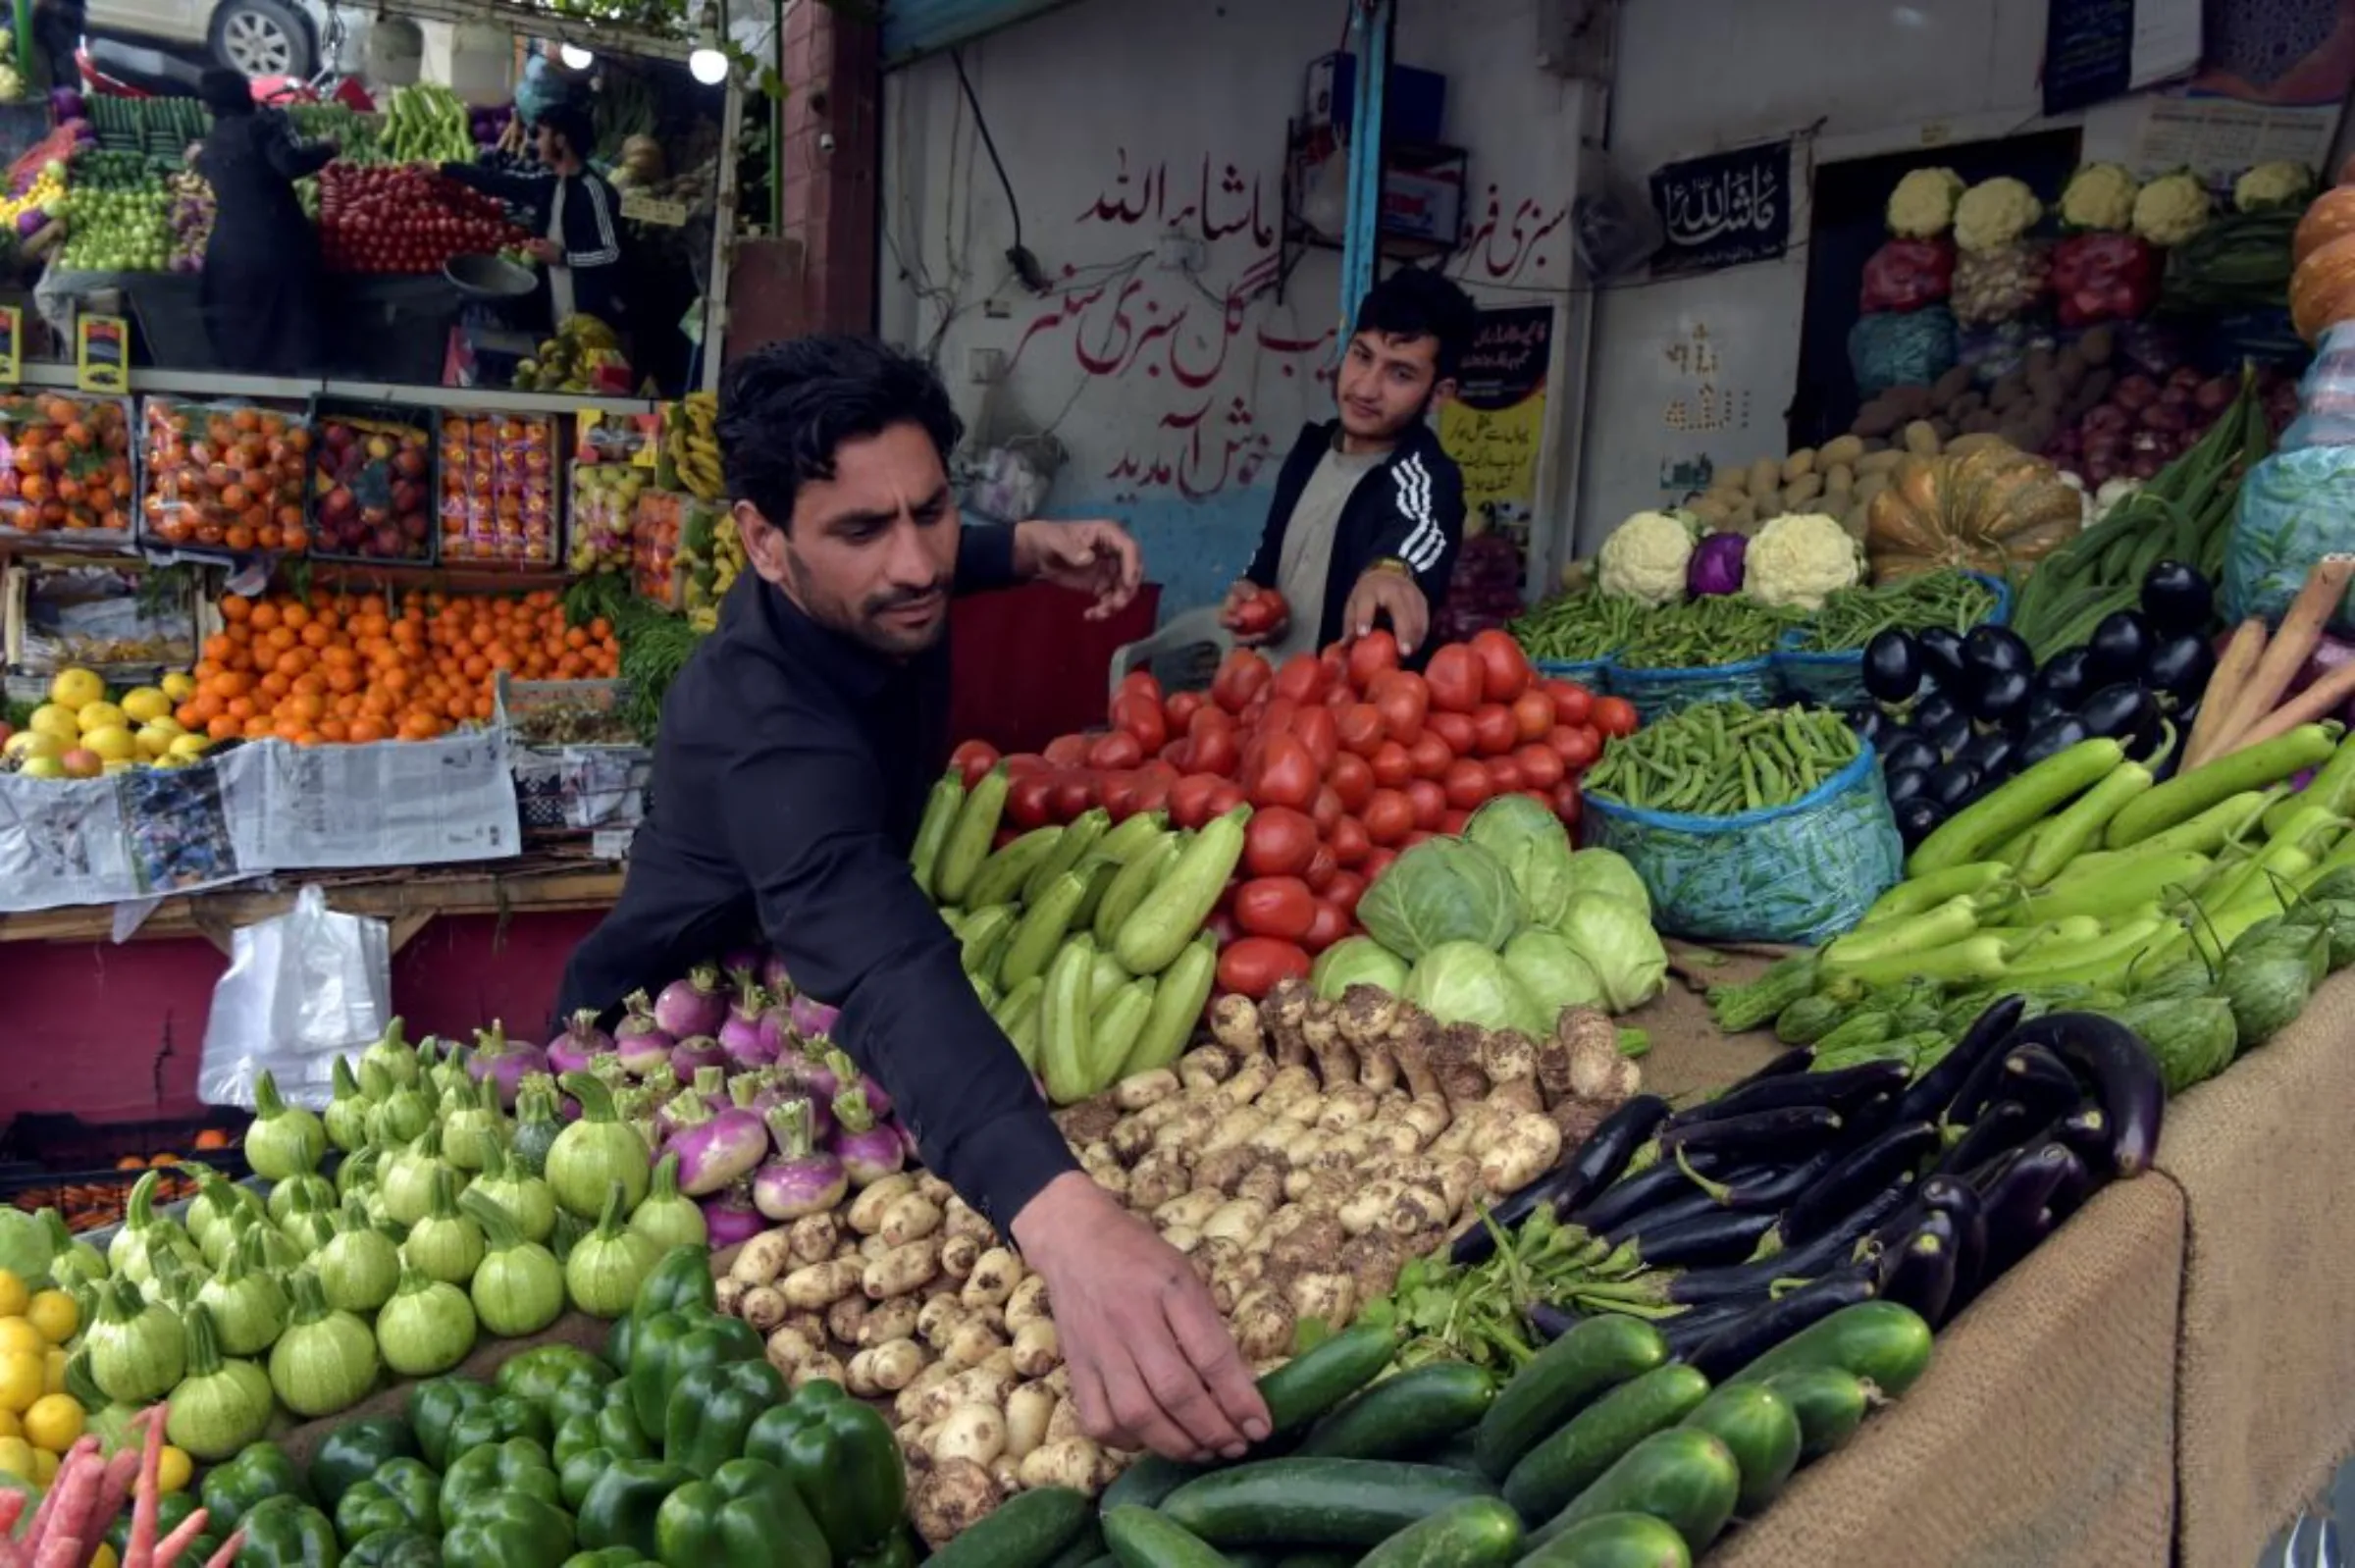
(1018,255)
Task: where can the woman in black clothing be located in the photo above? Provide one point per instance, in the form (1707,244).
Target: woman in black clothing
(260,284)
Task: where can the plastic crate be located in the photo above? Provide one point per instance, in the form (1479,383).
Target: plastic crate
(78,1168)
(498,475)
(221,479)
(371,490)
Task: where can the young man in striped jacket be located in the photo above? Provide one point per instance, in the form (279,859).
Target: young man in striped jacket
(1369,511)
(575,216)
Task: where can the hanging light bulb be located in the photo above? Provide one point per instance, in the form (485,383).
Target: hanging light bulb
(707,63)
(575,57)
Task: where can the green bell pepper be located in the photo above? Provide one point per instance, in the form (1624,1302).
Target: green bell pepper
(713,1409)
(747,1515)
(680,1279)
(537,1374)
(285,1531)
(353,1452)
(260,1472)
(394,1549)
(495,1420)
(509,1529)
(611,1558)
(622,1505)
(620,1342)
(577,1472)
(843,1458)
(612,1428)
(520,1465)
(434,1406)
(671,1345)
(897,1553)
(581,1391)
(402,1496)
(171,1510)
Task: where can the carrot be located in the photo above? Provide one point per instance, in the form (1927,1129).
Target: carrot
(2314,703)
(2293,643)
(139,1548)
(2223,688)
(175,1543)
(228,1550)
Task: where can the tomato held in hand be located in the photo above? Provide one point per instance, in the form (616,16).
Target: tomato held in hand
(1252,966)
(1262,613)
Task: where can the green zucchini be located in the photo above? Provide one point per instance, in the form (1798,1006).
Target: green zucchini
(1122,844)
(1615,1541)
(1136,877)
(1598,1354)
(1147,1482)
(1762,1430)
(1077,839)
(1886,1345)
(1307,1386)
(1113,1032)
(932,832)
(1405,1415)
(1683,1477)
(1150,940)
(1178,1000)
(981,935)
(1566,1463)
(1040,933)
(968,843)
(1028,1530)
(1001,878)
(1829,1403)
(1317,1502)
(1478,1533)
(1139,1537)
(1063,1041)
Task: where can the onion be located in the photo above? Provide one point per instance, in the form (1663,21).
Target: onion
(2134,392)
(639,1041)
(731,1219)
(691,1006)
(716,1149)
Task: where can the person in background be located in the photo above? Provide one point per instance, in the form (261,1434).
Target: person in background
(1369,511)
(576,215)
(57,37)
(260,284)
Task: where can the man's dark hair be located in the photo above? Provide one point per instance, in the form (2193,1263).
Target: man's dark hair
(226,92)
(571,121)
(786,407)
(1414,304)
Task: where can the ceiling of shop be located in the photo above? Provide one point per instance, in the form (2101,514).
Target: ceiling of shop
(914,27)
(540,22)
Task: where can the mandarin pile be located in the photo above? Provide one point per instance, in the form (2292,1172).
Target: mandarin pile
(226,478)
(65,465)
(335,667)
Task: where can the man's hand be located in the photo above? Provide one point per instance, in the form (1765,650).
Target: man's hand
(543,250)
(1095,558)
(1151,1361)
(1255,615)
(1385,590)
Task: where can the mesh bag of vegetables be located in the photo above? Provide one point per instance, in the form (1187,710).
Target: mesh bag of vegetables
(1659,693)
(1803,872)
(1902,348)
(2295,508)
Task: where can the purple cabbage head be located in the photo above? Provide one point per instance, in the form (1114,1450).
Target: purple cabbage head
(1716,565)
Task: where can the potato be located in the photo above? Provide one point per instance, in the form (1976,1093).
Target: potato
(814,1237)
(1877,417)
(762,1307)
(1767,502)
(791,1346)
(1838,477)
(1963,407)
(1028,1301)
(1073,1462)
(846,1318)
(1880,463)
(994,1277)
(818,1285)
(1028,1409)
(727,1294)
(955,1495)
(1765,475)
(1037,1348)
(765,1257)
(1921,438)
(1189,1210)
(1800,491)
(886,1321)
(911,1219)
(973,1344)
(1716,511)
(1799,464)
(958,1255)
(1978,421)
(1838,450)
(1869,486)
(1912,402)
(867,1209)
(822,1366)
(902,1270)
(1140,1089)
(1950,385)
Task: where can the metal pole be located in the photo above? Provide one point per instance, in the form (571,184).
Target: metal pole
(1361,242)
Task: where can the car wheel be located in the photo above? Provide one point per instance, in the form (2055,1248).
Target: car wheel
(263,39)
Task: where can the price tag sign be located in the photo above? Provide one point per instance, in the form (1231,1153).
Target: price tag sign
(12,345)
(654,210)
(101,355)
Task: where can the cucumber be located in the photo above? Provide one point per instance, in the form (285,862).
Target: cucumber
(1307,1386)
(968,843)
(1481,1533)
(1405,1415)
(1830,1405)
(1086,1548)
(1028,1530)
(1880,1341)
(1315,1557)
(1317,1502)
(1683,1477)
(1762,1430)
(1139,1537)
(1144,1484)
(1568,1462)
(1615,1541)
(1000,878)
(1598,1354)
(1077,839)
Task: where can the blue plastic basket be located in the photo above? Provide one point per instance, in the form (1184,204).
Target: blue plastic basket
(1837,680)
(1595,675)
(1659,693)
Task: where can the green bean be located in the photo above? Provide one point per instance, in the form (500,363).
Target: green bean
(1721,758)
(1850,617)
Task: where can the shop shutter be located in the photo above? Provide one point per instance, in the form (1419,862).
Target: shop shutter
(914,27)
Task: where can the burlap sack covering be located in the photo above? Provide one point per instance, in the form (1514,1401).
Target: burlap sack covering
(2266,1365)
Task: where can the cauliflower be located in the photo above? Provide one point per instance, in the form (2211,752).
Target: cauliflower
(1800,558)
(2100,195)
(2269,186)
(1994,212)
(2112,492)
(2170,209)
(1924,203)
(1646,557)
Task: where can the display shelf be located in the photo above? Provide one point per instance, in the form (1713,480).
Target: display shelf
(221,383)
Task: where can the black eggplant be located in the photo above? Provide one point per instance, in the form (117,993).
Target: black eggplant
(1907,752)
(1829,1250)
(1927,1098)
(1864,1168)
(2040,1082)
(1904,783)
(1782,1065)
(1919,1270)
(1836,1090)
(1757,1134)
(2125,1077)
(1959,1201)
(1992,754)
(2087,1131)
(1654,1184)
(2043,707)
(1950,734)
(1689,1204)
(1919,818)
(1551,1321)
(1743,1341)
(2176,598)
(2118,711)
(1596,1165)
(2063,676)
(1941,656)
(1999,695)
(2118,647)
(1951,785)
(1707,1240)
(2020,1200)
(1872,726)
(2052,738)
(2179,667)
(1691,1328)
(1778,1188)
(1892,666)
(2001,1127)
(1936,708)
(1993,649)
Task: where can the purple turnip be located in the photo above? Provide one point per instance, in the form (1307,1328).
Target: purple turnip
(504,1061)
(731,1218)
(803,1178)
(879,1103)
(641,1042)
(581,1043)
(694,1006)
(715,1147)
(741,957)
(694,1053)
(773,978)
(869,1150)
(813,1020)
(744,1036)
(816,1076)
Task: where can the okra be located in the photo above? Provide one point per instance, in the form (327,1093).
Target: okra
(2187,795)
(1139,876)
(1062,1023)
(1041,929)
(1077,839)
(2029,797)
(969,841)
(932,832)
(2081,823)
(1001,878)
(1920,893)
(1150,940)
(1177,1001)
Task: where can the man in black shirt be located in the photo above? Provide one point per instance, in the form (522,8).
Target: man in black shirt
(795,752)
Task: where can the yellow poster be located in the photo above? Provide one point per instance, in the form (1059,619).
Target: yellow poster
(1495,427)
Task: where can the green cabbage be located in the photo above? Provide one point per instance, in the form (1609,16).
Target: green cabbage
(25,1249)
(1616,939)
(1536,851)
(1606,871)
(1550,972)
(1356,961)
(1463,983)
(1443,890)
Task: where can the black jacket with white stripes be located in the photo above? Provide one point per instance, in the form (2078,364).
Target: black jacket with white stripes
(592,227)
(1409,509)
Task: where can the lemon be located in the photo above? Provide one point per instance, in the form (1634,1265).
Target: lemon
(54,1313)
(15,1458)
(42,767)
(19,1333)
(52,718)
(174,1472)
(44,1470)
(54,1421)
(179,686)
(22,1373)
(26,744)
(156,738)
(53,1371)
(104,1557)
(114,743)
(14,1296)
(10,1425)
(96,717)
(77,688)
(144,702)
(189,746)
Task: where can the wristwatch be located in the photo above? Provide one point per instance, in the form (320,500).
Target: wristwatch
(1392,563)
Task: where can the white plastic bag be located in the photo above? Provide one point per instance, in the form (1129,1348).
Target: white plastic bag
(301,989)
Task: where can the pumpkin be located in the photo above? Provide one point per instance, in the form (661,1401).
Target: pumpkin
(2330,216)
(2321,289)
(1989,510)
